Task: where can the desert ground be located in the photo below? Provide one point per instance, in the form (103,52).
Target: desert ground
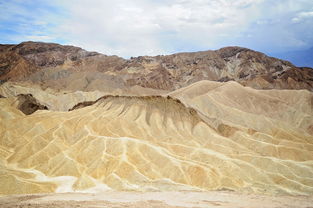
(220,199)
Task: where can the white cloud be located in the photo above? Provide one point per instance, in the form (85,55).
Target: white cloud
(28,20)
(302,16)
(131,28)
(148,27)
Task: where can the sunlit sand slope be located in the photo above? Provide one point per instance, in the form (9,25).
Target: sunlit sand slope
(208,136)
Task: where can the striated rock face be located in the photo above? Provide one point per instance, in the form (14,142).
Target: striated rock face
(72,68)
(56,100)
(207,136)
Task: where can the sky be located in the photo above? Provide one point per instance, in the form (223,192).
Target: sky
(152,27)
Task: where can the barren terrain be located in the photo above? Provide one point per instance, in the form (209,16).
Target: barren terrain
(225,128)
(220,199)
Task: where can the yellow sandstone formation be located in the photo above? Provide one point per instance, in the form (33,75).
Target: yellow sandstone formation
(207,136)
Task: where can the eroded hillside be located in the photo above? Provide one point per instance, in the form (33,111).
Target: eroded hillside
(207,136)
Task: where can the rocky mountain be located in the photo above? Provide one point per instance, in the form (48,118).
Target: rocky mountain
(72,68)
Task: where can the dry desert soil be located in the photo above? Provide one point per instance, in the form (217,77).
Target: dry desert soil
(220,199)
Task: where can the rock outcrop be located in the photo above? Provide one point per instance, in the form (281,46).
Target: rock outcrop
(28,104)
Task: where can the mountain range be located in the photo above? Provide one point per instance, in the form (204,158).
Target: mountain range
(68,67)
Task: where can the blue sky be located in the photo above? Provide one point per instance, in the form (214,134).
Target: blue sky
(148,27)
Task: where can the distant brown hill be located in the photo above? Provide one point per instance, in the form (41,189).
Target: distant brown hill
(68,67)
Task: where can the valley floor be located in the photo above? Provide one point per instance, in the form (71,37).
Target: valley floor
(221,199)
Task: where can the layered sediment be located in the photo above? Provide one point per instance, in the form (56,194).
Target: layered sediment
(207,136)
